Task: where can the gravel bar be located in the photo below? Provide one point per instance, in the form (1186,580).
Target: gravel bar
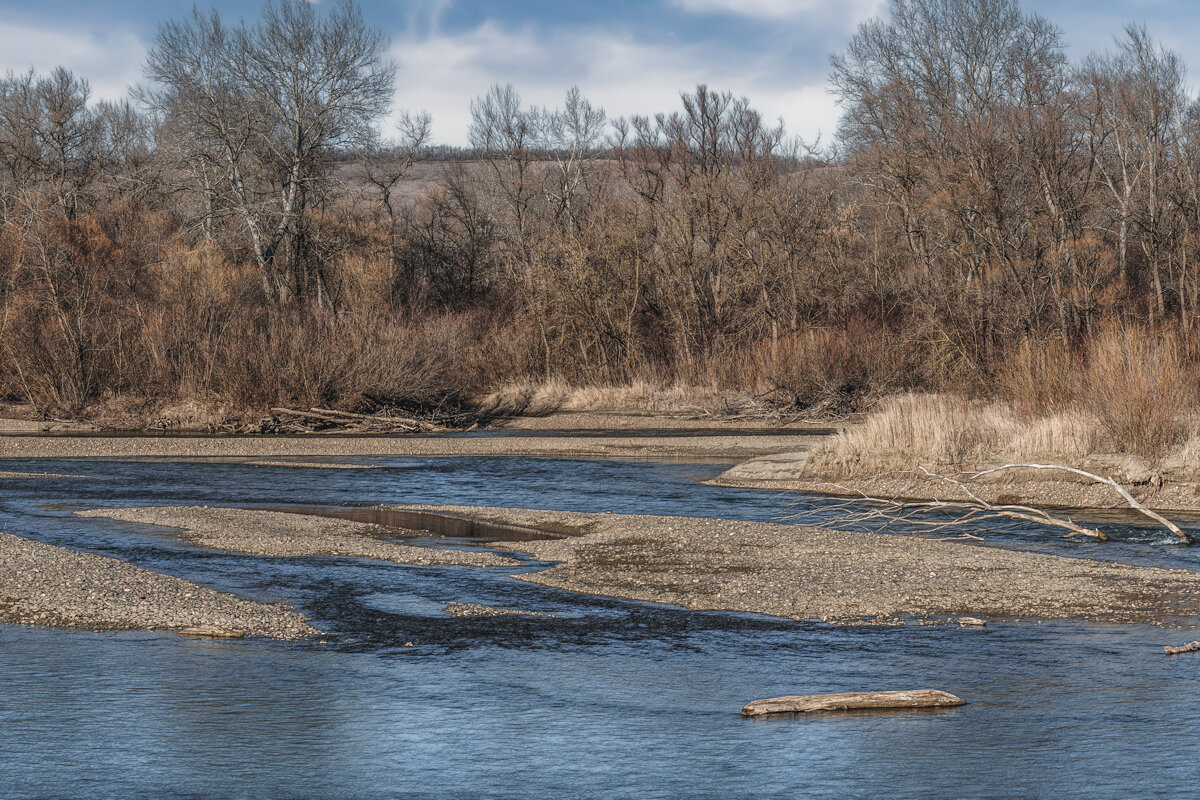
(840,577)
(274,533)
(41,584)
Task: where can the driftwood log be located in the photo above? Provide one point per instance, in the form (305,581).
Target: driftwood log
(1190,647)
(852,701)
(212,632)
(347,418)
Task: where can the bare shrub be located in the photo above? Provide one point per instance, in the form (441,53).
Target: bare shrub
(1041,376)
(1140,388)
(832,370)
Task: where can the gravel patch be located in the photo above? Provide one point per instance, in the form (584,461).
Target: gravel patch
(476,610)
(273,533)
(42,584)
(835,576)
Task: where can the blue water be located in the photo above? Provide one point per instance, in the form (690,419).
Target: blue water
(606,699)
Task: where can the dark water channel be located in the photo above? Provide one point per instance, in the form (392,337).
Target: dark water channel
(606,699)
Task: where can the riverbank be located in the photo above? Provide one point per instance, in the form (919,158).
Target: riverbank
(897,452)
(732,448)
(835,576)
(41,584)
(791,472)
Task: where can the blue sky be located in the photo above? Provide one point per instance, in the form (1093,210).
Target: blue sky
(630,56)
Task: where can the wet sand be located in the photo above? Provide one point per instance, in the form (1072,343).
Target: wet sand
(280,534)
(834,576)
(41,584)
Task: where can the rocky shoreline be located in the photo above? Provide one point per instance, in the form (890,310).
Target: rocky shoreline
(41,584)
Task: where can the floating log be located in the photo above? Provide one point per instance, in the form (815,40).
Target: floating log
(1190,647)
(212,632)
(972,622)
(852,701)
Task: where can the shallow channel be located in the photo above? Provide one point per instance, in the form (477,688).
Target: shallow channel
(604,699)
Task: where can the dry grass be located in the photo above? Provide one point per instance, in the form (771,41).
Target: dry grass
(539,398)
(946,431)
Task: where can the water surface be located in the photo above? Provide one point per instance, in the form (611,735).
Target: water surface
(606,699)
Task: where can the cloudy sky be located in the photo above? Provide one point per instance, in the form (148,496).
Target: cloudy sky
(629,56)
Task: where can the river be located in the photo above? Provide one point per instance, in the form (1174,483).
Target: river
(605,699)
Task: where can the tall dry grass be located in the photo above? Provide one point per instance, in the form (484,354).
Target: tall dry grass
(939,431)
(532,397)
(1131,391)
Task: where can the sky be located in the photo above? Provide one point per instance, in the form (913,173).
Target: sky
(628,56)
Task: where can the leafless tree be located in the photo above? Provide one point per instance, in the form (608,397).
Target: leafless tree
(264,105)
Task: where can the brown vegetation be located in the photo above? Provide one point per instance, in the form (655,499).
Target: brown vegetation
(994,221)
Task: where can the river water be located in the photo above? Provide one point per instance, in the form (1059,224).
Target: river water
(606,699)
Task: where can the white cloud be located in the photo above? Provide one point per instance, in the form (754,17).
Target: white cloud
(444,72)
(847,12)
(110,60)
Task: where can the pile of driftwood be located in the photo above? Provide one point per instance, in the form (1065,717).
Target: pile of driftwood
(328,420)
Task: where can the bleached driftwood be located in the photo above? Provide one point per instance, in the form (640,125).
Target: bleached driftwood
(1118,488)
(1190,647)
(978,510)
(333,417)
(852,701)
(211,632)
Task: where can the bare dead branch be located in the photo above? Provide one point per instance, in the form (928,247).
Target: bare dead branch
(1118,488)
(978,510)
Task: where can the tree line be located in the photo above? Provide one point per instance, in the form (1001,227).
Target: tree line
(239,233)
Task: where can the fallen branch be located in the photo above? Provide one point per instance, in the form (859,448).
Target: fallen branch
(1190,647)
(387,420)
(1121,490)
(333,417)
(978,510)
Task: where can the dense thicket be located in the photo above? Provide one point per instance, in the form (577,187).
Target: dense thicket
(238,233)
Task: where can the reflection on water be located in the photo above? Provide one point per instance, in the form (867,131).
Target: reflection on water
(605,699)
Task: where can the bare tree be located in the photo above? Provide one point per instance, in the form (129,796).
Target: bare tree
(1133,105)
(49,137)
(264,105)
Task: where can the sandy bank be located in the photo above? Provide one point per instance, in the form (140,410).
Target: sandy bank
(808,573)
(273,533)
(41,584)
(786,471)
(318,446)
